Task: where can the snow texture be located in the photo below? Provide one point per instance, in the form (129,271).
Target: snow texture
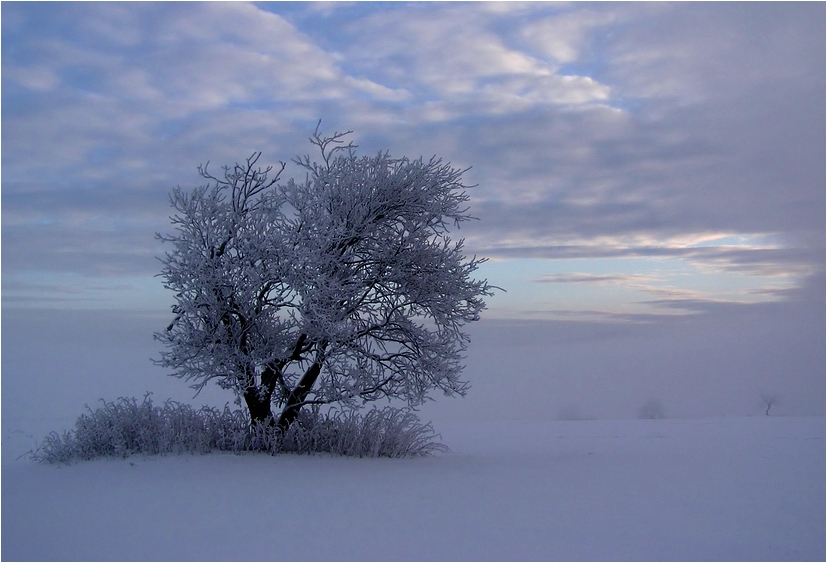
(708,489)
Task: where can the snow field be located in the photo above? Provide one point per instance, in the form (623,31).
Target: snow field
(710,489)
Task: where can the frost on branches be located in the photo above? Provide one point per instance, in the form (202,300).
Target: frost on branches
(344,287)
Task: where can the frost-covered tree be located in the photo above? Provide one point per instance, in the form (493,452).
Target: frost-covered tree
(341,287)
(768,400)
(651,409)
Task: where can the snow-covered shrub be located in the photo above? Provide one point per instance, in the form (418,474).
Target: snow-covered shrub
(126,427)
(387,432)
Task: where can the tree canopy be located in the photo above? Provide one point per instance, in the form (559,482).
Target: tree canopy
(344,286)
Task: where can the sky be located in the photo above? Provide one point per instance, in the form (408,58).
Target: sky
(649,178)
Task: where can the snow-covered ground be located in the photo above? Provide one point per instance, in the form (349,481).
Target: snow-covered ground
(749,488)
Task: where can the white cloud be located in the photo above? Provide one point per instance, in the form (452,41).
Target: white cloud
(563,37)
(33,78)
(453,56)
(376,90)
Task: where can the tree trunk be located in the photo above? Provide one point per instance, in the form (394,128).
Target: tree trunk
(298,395)
(259,398)
(260,413)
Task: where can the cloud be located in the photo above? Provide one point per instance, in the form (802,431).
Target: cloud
(594,131)
(41,79)
(668,287)
(697,54)
(127,101)
(584,278)
(565,36)
(455,62)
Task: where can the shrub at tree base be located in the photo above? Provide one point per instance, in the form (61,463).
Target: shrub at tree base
(126,427)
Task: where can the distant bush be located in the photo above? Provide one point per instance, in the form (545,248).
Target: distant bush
(651,409)
(571,412)
(126,427)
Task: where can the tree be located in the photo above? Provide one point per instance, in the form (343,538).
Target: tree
(769,400)
(343,287)
(571,411)
(651,409)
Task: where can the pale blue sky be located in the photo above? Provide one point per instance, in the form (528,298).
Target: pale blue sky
(636,163)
